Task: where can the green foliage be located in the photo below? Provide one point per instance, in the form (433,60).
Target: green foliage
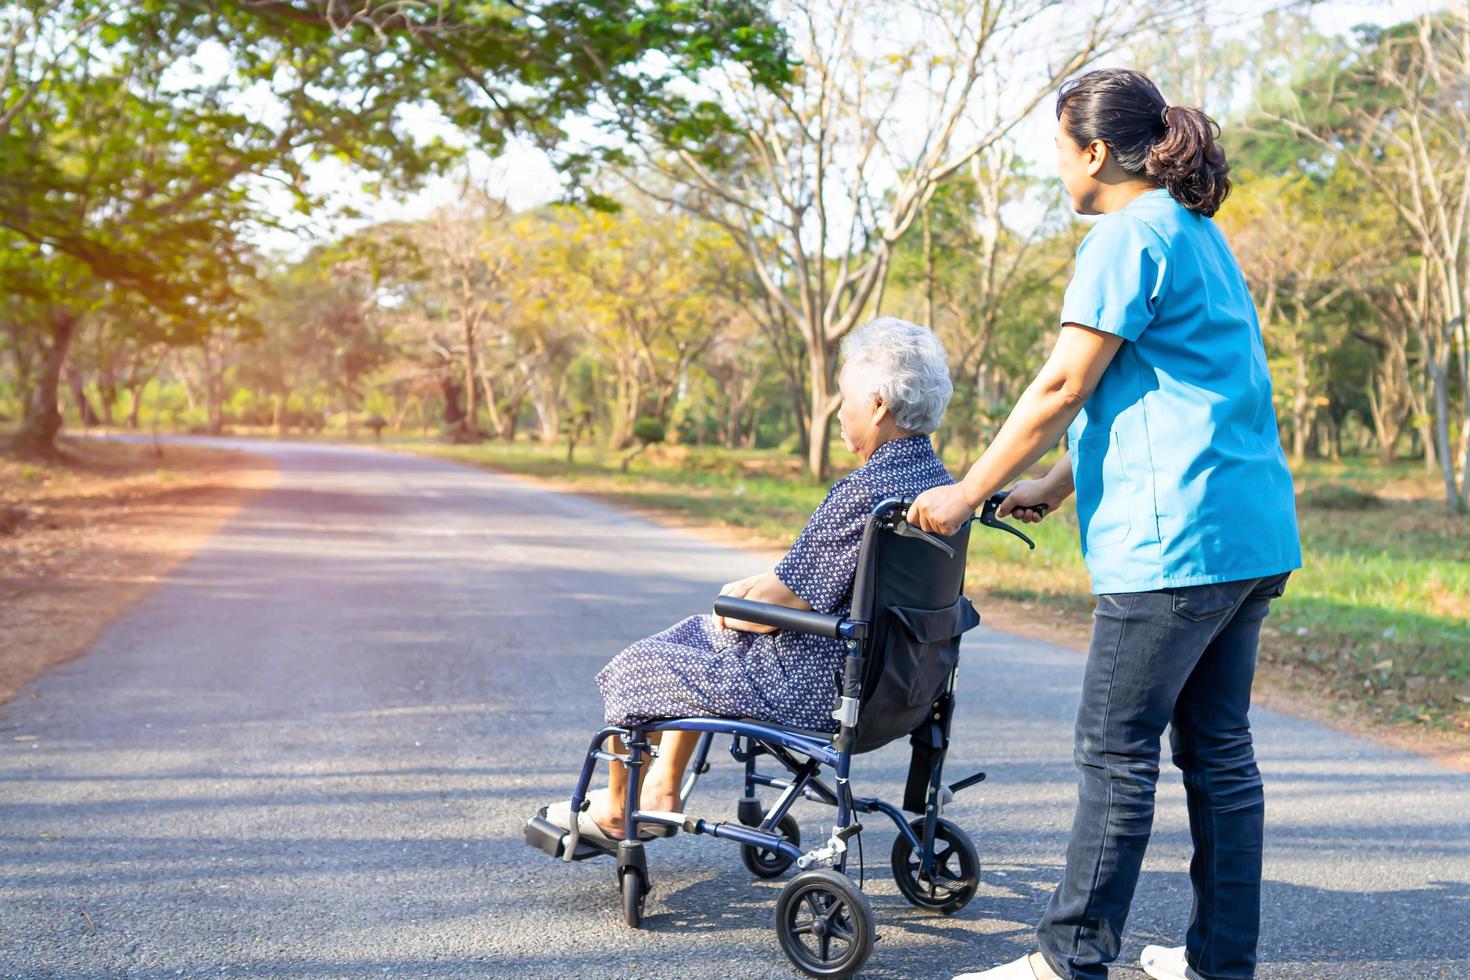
(648,431)
(134,136)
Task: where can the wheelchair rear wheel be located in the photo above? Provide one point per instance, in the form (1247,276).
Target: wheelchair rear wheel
(766,863)
(824,924)
(956,869)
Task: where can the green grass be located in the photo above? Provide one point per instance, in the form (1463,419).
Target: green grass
(1379,617)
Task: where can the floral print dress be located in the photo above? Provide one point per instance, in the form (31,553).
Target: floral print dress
(694,668)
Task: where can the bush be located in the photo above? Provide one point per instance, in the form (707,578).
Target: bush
(648,431)
(1336,496)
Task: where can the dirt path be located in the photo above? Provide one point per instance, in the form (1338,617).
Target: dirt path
(85,537)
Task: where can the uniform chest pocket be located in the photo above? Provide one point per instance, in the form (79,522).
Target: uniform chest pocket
(1103,492)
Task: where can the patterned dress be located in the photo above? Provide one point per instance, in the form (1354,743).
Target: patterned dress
(694,668)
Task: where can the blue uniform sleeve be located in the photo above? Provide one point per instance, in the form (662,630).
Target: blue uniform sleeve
(821,564)
(1121,273)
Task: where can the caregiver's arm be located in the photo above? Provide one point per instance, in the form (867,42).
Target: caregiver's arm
(1041,415)
(765,587)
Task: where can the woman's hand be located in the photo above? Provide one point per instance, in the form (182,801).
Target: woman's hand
(941,510)
(765,587)
(1025,499)
(740,589)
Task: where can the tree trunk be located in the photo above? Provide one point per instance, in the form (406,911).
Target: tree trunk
(625,411)
(213,391)
(928,273)
(471,408)
(453,414)
(1301,406)
(548,413)
(823,406)
(1463,506)
(85,411)
(492,403)
(513,412)
(135,403)
(42,416)
(107,394)
(1437,374)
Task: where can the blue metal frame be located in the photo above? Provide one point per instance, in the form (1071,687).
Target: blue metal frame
(762,738)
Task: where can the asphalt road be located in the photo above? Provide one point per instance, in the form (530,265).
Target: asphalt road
(310,754)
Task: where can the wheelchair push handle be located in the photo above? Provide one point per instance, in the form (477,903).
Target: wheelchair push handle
(896,508)
(894,511)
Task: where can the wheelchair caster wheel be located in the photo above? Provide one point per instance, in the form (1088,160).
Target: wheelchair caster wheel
(956,869)
(633,897)
(824,924)
(766,863)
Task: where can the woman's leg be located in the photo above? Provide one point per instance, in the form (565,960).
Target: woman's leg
(1211,739)
(660,790)
(1145,646)
(607,812)
(677,673)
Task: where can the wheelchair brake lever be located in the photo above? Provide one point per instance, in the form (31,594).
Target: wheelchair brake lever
(988,518)
(903,528)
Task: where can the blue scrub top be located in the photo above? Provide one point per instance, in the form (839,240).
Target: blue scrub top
(1180,476)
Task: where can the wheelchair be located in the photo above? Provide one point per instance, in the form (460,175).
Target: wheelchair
(902,642)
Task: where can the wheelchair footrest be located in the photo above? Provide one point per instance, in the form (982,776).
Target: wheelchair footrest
(547,836)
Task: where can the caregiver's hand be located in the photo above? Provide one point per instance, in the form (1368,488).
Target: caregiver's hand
(941,510)
(1026,497)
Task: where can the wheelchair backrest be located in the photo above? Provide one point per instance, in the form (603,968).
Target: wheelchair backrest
(910,594)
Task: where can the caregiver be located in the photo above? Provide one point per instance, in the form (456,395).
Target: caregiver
(1187,519)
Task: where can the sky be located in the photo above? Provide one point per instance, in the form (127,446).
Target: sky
(527,178)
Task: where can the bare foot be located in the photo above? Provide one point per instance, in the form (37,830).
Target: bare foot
(609,815)
(660,800)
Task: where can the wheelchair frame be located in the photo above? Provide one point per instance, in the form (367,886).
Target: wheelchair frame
(804,754)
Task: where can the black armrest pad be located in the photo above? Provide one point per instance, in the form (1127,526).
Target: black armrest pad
(781,617)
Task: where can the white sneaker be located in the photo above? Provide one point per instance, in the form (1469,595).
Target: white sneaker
(1021,969)
(1164,962)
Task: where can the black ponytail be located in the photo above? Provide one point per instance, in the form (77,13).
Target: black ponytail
(1173,146)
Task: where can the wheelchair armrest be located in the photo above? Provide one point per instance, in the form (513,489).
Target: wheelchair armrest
(781,617)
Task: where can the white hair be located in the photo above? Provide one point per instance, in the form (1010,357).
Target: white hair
(904,364)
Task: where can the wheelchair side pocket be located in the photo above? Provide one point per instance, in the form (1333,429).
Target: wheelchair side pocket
(921,650)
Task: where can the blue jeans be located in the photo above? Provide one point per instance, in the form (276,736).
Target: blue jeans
(1182,657)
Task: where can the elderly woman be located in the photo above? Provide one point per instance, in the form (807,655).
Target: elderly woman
(895,386)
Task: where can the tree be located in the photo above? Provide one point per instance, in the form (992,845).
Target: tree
(642,284)
(1306,253)
(829,174)
(1396,113)
(73,198)
(463,282)
(322,334)
(986,286)
(125,154)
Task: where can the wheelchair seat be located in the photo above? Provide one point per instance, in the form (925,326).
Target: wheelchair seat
(808,732)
